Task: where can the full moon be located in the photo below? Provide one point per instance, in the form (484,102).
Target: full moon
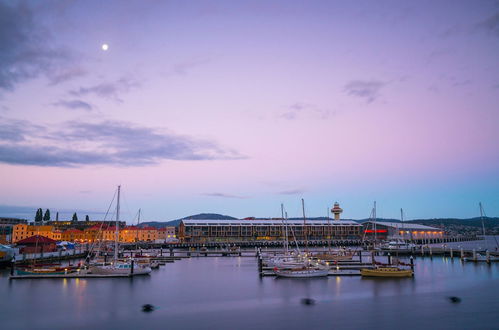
(105,47)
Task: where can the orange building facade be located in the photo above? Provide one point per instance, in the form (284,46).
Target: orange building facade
(127,234)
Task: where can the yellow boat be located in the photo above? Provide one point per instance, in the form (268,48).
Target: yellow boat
(387,272)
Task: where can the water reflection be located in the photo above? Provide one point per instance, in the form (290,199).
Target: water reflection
(228,293)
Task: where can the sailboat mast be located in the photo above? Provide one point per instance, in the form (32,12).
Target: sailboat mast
(304,225)
(374,216)
(137,231)
(481,217)
(329,231)
(402,219)
(286,248)
(117,233)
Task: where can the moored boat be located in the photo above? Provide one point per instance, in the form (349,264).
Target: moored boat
(303,272)
(386,272)
(482,258)
(120,268)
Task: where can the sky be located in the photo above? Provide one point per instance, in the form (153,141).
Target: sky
(235,107)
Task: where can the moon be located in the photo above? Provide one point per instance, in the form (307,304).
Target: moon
(105,47)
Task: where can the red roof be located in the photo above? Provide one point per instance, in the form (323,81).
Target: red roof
(104,227)
(73,231)
(36,239)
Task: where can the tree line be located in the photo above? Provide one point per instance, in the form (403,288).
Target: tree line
(41,217)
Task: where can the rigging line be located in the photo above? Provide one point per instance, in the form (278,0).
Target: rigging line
(100,228)
(495,236)
(126,205)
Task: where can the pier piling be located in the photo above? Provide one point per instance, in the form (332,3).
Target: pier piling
(451,253)
(474,255)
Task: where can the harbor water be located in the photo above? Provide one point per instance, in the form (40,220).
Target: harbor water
(227,293)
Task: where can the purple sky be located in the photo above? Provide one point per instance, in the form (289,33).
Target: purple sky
(234,107)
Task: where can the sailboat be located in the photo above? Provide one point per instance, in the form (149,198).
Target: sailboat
(305,268)
(289,259)
(399,243)
(478,257)
(119,267)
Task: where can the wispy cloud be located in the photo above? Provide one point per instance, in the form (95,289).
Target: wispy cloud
(222,195)
(303,109)
(490,24)
(74,104)
(26,48)
(13,130)
(60,75)
(184,67)
(367,90)
(108,90)
(115,143)
(297,191)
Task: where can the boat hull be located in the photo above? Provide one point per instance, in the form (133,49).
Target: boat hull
(41,272)
(106,270)
(302,273)
(387,273)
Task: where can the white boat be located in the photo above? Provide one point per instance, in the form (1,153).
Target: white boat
(398,245)
(120,268)
(482,258)
(304,272)
(287,261)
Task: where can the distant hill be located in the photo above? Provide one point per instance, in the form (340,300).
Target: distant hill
(472,222)
(200,216)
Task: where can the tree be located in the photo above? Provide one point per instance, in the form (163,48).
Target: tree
(39,216)
(87,218)
(46,216)
(75,217)
(57,216)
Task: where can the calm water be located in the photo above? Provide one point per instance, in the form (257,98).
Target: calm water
(226,293)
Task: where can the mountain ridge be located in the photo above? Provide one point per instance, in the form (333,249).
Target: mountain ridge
(471,222)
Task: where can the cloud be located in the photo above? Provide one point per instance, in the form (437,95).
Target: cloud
(64,74)
(224,195)
(182,68)
(367,90)
(297,191)
(302,109)
(74,104)
(114,143)
(12,130)
(490,24)
(108,90)
(26,48)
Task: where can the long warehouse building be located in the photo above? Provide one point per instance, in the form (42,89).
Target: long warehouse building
(200,231)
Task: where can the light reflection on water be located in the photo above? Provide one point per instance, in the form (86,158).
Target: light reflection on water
(227,293)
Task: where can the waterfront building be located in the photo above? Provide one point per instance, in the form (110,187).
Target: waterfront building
(138,234)
(266,229)
(7,228)
(23,231)
(36,244)
(404,230)
(74,235)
